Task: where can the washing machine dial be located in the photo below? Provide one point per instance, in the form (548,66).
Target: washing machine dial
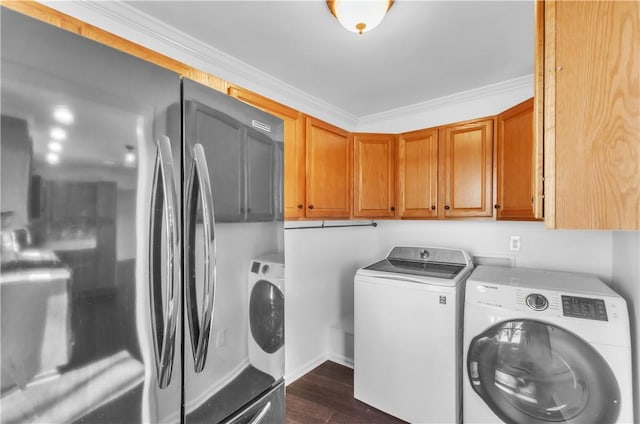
(265,269)
(537,302)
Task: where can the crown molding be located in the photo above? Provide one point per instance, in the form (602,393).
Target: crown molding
(138,27)
(128,22)
(476,94)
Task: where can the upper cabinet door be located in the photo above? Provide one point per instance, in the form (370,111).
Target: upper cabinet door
(222,138)
(294,157)
(328,188)
(515,163)
(418,174)
(374,175)
(591,115)
(261,176)
(466,152)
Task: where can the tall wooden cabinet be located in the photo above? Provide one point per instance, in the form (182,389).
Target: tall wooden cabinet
(515,163)
(374,184)
(418,174)
(328,170)
(591,91)
(294,155)
(466,155)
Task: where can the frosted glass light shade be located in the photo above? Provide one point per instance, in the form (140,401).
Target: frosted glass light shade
(359,16)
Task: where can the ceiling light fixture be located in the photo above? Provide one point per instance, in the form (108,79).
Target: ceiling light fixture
(130,156)
(52,158)
(359,16)
(58,133)
(63,115)
(55,146)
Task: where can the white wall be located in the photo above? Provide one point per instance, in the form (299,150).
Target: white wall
(626,281)
(321,265)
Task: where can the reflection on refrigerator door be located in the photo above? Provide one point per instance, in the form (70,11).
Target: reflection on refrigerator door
(79,123)
(93,236)
(227,151)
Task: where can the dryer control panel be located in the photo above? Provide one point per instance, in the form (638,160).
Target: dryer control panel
(582,307)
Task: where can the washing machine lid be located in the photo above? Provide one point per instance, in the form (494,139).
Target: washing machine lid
(429,265)
(533,372)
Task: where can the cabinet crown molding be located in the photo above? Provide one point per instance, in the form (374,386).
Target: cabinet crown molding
(130,23)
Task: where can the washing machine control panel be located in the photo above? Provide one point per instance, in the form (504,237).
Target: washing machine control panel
(582,307)
(537,302)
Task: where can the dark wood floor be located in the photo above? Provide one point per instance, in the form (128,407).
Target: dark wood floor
(325,395)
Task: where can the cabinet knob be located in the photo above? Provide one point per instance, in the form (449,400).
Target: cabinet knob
(310,206)
(446,207)
(393,208)
(433,208)
(300,206)
(496,206)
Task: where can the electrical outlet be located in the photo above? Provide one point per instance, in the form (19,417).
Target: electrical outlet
(514,243)
(221,338)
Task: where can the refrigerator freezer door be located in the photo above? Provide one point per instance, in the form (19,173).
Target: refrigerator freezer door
(239,144)
(267,409)
(82,125)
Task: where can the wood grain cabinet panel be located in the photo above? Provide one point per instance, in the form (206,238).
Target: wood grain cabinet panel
(592,114)
(466,151)
(328,170)
(374,184)
(418,174)
(515,163)
(294,149)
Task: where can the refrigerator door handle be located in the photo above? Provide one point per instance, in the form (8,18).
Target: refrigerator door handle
(200,184)
(164,316)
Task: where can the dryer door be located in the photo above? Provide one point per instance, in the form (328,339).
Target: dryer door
(532,372)
(266,316)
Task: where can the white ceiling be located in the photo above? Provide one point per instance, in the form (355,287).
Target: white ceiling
(421,51)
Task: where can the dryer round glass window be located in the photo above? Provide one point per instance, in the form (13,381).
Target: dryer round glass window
(266,316)
(528,371)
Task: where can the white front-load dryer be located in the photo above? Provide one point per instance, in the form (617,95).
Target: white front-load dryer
(266,315)
(545,347)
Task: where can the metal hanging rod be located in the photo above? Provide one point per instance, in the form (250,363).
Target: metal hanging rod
(371,224)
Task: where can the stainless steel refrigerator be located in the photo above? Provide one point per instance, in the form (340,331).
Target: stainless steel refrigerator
(133,203)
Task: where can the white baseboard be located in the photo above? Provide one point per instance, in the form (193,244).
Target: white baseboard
(342,360)
(292,376)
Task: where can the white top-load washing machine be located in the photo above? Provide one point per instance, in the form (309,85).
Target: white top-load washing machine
(545,347)
(266,314)
(407,333)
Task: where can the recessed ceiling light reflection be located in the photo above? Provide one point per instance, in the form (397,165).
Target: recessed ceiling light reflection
(130,156)
(55,146)
(63,115)
(53,158)
(58,133)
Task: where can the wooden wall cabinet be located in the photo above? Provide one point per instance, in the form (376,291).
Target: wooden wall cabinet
(294,149)
(374,182)
(466,155)
(591,62)
(515,163)
(328,170)
(418,174)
